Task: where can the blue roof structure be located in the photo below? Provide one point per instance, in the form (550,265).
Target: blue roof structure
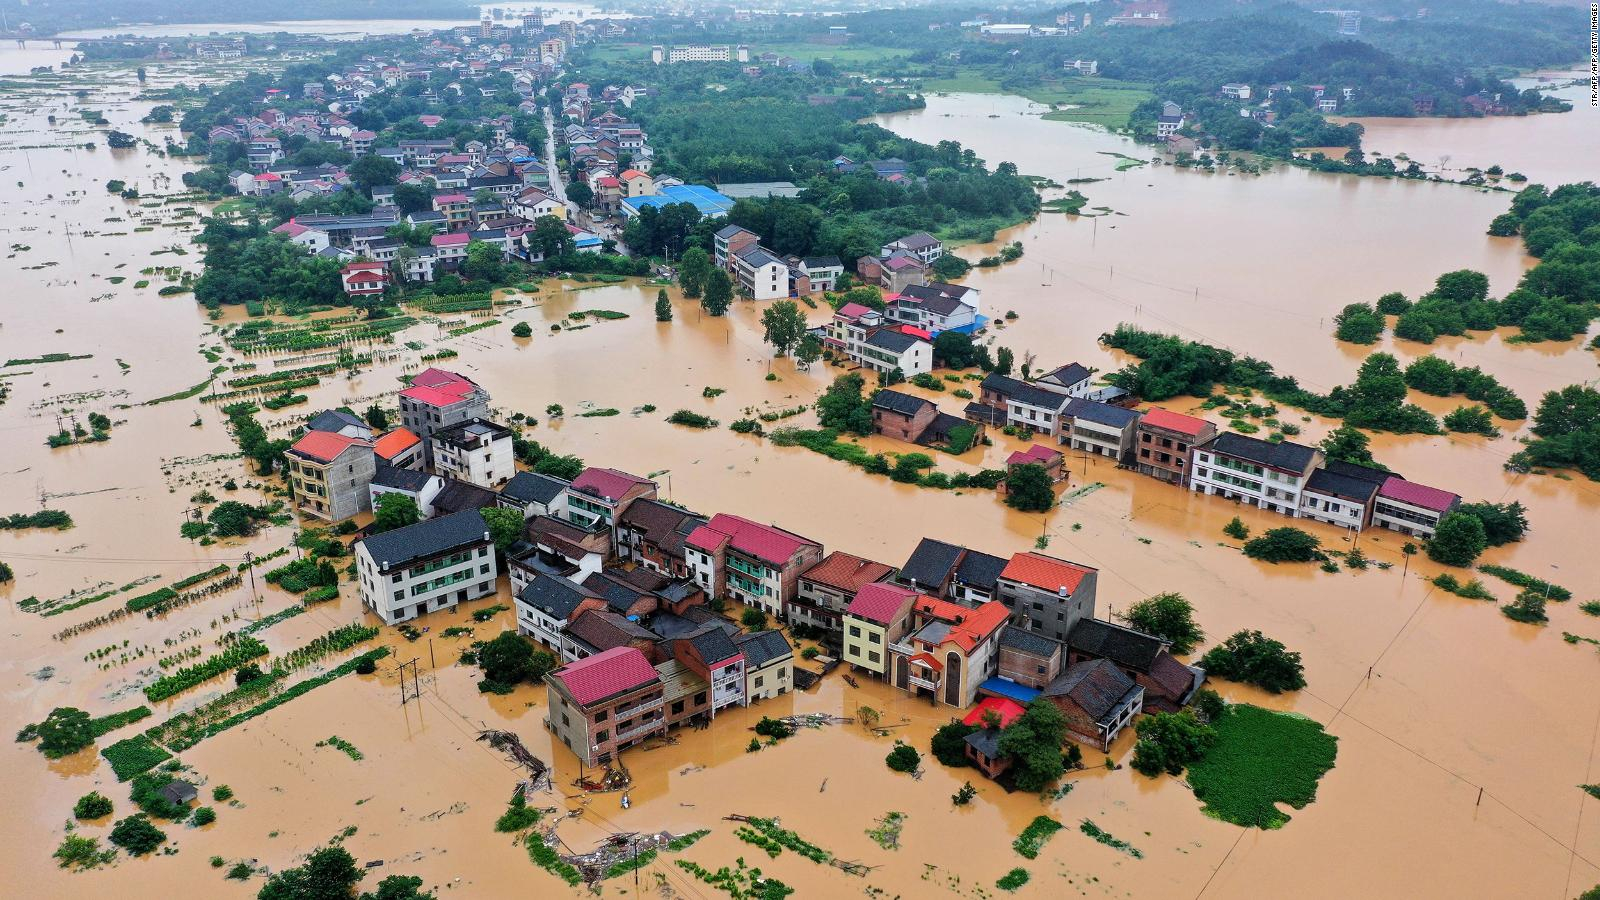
(708,201)
(1005,687)
(977,323)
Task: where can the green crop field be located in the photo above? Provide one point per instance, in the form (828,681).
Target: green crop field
(1261,759)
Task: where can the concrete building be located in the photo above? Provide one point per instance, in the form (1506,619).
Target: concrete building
(1342,494)
(949,650)
(879,616)
(826,590)
(1046,595)
(605,703)
(1163,440)
(329,475)
(1411,508)
(476,451)
(1098,428)
(422,568)
(768,664)
(758,565)
(1255,472)
(437,399)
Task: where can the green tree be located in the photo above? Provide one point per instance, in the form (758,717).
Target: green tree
(1471,420)
(903,758)
(1528,607)
(510,659)
(1432,375)
(808,351)
(1503,523)
(505,526)
(693,268)
(484,262)
(783,324)
(376,418)
(1458,539)
(1285,544)
(522,330)
(1250,657)
(949,743)
(1170,742)
(394,511)
(718,293)
(1348,444)
(753,619)
(1167,616)
(1033,744)
(957,351)
(1236,529)
(581,194)
(550,238)
(1028,489)
(1358,323)
(663,306)
(373,171)
(136,835)
(65,731)
(842,406)
(399,887)
(93,805)
(329,873)
(1393,304)
(230,518)
(949,267)
(1003,359)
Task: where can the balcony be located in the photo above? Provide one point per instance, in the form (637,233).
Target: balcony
(922,683)
(903,649)
(625,712)
(641,729)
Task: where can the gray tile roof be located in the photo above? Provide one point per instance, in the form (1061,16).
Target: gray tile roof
(531,487)
(930,564)
(896,402)
(763,647)
(409,480)
(336,419)
(556,597)
(1100,413)
(1025,641)
(1123,646)
(893,341)
(1068,375)
(431,537)
(713,645)
(981,570)
(1286,455)
(986,742)
(1097,686)
(1323,481)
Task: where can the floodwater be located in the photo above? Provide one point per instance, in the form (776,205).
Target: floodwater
(352,29)
(1433,698)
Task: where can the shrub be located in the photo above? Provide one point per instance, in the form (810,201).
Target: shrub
(965,795)
(1236,529)
(1252,658)
(205,815)
(949,743)
(222,793)
(136,835)
(1012,880)
(522,330)
(1167,616)
(691,419)
(1528,608)
(1286,544)
(93,805)
(1033,838)
(1210,704)
(903,758)
(1170,742)
(753,619)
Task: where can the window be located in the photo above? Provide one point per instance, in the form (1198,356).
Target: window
(600,737)
(601,715)
(873,656)
(875,638)
(700,699)
(483,569)
(399,595)
(482,552)
(760,680)
(855,631)
(565,720)
(395,578)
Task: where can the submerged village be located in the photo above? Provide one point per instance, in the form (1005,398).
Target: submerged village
(347,380)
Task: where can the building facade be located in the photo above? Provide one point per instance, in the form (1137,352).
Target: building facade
(422,568)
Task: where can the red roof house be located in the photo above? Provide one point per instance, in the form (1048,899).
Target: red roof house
(1005,708)
(364,279)
(606,674)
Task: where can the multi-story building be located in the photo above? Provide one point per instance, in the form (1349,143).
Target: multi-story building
(758,565)
(935,307)
(922,245)
(879,616)
(969,577)
(1026,406)
(849,328)
(1072,379)
(1098,428)
(1342,494)
(456,209)
(759,274)
(1047,595)
(329,475)
(535,494)
(768,664)
(437,399)
(1162,442)
(827,588)
(1256,472)
(886,350)
(598,496)
(1097,699)
(653,534)
(949,651)
(476,451)
(605,703)
(364,280)
(547,603)
(422,568)
(421,487)
(1028,659)
(822,272)
(1411,508)
(1168,685)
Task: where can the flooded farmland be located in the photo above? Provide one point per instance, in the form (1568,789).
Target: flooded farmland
(1462,735)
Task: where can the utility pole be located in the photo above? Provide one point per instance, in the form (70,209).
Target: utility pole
(431,663)
(250,566)
(416,688)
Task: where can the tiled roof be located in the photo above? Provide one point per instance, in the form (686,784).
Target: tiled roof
(607,483)
(1097,686)
(1068,375)
(918,240)
(1171,421)
(532,487)
(1007,710)
(853,310)
(931,563)
(897,402)
(986,742)
(618,594)
(555,596)
(664,525)
(606,674)
(1045,572)
(460,496)
(893,341)
(445,381)
(767,543)
(968,627)
(1284,456)
(714,646)
(335,420)
(325,446)
(1029,642)
(408,480)
(1100,413)
(979,569)
(1365,473)
(602,629)
(1036,454)
(763,647)
(430,537)
(395,443)
(1397,488)
(1123,646)
(879,602)
(1174,677)
(1324,481)
(845,572)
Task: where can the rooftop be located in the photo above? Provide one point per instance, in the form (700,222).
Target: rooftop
(325,446)
(1007,710)
(1397,488)
(1100,413)
(1285,456)
(897,402)
(930,563)
(532,487)
(610,484)
(1045,572)
(606,674)
(768,543)
(1123,646)
(763,647)
(1097,686)
(430,537)
(879,602)
(845,572)
(1171,421)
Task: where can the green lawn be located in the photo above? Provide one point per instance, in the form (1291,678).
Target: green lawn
(1099,101)
(1262,758)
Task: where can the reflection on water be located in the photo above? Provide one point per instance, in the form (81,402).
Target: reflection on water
(1431,696)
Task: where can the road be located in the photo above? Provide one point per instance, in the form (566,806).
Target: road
(556,187)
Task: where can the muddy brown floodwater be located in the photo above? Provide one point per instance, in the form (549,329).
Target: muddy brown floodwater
(1433,698)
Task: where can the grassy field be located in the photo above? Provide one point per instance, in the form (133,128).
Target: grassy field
(1262,758)
(1098,101)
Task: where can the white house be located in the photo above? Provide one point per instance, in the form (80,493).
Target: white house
(476,451)
(426,567)
(886,350)
(935,306)
(546,605)
(1071,379)
(1259,473)
(421,487)
(759,274)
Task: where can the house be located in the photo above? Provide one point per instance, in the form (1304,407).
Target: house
(329,474)
(1028,660)
(935,307)
(983,751)
(1169,685)
(1027,407)
(886,350)
(1038,455)
(1071,379)
(596,630)
(338,421)
(606,703)
(1342,494)
(181,793)
(711,653)
(1411,508)
(1235,90)
(572,549)
(822,272)
(899,271)
(437,399)
(547,603)
(768,664)
(925,247)
(313,239)
(1162,441)
(400,448)
(654,535)
(1097,699)
(598,496)
(902,416)
(758,565)
(432,565)
(878,616)
(1099,428)
(456,209)
(421,487)
(364,279)
(1047,595)
(534,203)
(535,494)
(1170,120)
(636,183)
(956,573)
(450,250)
(950,650)
(759,274)
(476,451)
(848,329)
(1259,473)
(826,589)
